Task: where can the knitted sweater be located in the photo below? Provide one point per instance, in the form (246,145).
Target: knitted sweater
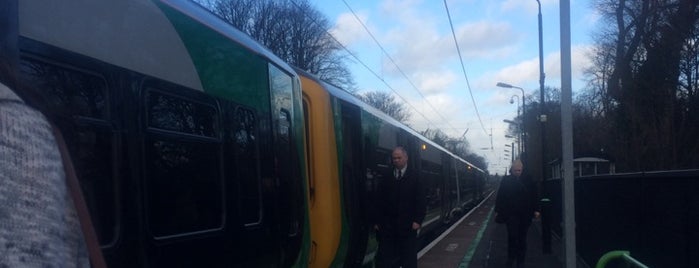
(38,222)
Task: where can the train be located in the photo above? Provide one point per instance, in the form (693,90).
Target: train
(197,147)
(349,149)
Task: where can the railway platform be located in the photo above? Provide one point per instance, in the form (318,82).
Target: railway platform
(476,241)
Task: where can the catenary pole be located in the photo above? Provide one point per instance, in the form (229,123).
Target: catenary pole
(567,138)
(542,108)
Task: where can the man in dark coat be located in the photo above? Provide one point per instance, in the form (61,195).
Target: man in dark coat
(517,203)
(401,207)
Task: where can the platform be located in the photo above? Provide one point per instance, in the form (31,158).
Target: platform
(476,241)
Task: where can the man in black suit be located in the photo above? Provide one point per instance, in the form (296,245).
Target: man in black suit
(401,206)
(517,204)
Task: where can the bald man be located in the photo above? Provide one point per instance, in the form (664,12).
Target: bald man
(517,203)
(401,212)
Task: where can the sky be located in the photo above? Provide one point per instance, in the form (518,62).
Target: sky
(407,48)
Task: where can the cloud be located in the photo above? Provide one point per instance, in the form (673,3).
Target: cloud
(442,111)
(519,74)
(497,41)
(348,30)
(530,7)
(434,82)
(526,73)
(422,47)
(400,9)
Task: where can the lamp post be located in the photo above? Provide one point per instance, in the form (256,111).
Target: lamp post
(524,108)
(512,150)
(546,226)
(513,101)
(519,144)
(518,139)
(542,110)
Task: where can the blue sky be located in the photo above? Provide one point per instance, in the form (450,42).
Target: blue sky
(420,65)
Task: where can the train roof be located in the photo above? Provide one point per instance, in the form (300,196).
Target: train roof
(348,97)
(204,16)
(134,34)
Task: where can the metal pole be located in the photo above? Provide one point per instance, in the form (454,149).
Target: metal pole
(567,138)
(524,116)
(542,76)
(521,126)
(546,227)
(521,130)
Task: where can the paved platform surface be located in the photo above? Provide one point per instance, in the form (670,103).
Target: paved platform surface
(476,241)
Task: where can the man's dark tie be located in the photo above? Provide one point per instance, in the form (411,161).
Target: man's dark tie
(398,175)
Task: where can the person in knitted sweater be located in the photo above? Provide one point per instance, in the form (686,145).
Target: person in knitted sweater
(39,226)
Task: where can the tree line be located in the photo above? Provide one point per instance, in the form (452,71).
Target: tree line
(640,107)
(297,32)
(642,91)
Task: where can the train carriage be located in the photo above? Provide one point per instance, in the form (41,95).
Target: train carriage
(349,149)
(186,134)
(196,147)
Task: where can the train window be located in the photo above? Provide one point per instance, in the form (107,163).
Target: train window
(284,123)
(247,160)
(382,158)
(184,187)
(282,87)
(68,91)
(175,114)
(78,94)
(94,151)
(431,176)
(309,152)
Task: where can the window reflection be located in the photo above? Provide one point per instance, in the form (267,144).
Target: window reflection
(81,96)
(183,184)
(68,90)
(176,114)
(247,164)
(431,175)
(183,187)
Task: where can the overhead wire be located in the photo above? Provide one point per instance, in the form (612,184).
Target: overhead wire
(463,67)
(395,64)
(365,65)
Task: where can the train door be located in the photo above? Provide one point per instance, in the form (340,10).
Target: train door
(449,196)
(287,172)
(182,178)
(354,184)
(432,177)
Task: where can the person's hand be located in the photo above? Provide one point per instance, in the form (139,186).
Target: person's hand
(416,226)
(536,214)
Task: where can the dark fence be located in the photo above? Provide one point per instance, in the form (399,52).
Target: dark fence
(653,215)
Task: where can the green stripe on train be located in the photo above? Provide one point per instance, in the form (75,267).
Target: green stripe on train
(225,68)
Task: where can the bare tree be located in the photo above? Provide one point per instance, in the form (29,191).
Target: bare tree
(457,146)
(476,160)
(386,103)
(439,137)
(294,30)
(643,82)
